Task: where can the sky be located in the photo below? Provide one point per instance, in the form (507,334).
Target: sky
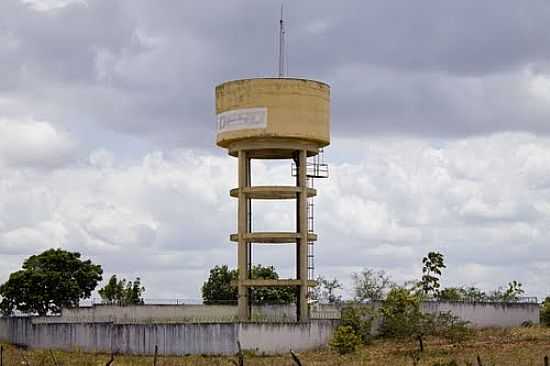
(440,136)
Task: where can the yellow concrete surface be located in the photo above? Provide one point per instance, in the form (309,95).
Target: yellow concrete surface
(296,109)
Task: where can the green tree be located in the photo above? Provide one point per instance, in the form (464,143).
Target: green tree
(369,285)
(403,318)
(218,288)
(48,282)
(433,263)
(451,294)
(401,314)
(122,292)
(511,294)
(270,295)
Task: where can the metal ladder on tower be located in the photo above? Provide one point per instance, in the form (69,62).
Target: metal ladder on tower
(311,230)
(316,168)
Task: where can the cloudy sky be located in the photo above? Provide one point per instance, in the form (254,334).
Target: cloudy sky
(440,126)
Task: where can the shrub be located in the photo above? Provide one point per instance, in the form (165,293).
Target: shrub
(451,327)
(402,315)
(403,318)
(359,318)
(345,340)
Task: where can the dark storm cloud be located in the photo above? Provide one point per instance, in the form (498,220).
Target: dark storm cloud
(149,68)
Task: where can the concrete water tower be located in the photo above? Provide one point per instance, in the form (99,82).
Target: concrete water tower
(274,118)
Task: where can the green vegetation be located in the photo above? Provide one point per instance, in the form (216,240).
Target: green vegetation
(345,340)
(433,263)
(122,292)
(219,290)
(49,282)
(359,318)
(401,310)
(511,293)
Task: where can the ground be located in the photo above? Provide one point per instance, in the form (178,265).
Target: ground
(496,347)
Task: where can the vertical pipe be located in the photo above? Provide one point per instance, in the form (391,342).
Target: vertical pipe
(249,229)
(303,308)
(242,254)
(296,159)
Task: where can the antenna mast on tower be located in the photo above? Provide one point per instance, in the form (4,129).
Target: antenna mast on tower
(281,45)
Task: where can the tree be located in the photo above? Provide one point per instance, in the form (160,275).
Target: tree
(451,294)
(270,295)
(219,290)
(433,263)
(325,290)
(48,282)
(401,313)
(511,294)
(370,285)
(122,292)
(403,318)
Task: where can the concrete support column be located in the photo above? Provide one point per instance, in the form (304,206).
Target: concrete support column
(301,243)
(243,226)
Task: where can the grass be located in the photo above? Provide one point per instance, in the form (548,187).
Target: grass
(496,347)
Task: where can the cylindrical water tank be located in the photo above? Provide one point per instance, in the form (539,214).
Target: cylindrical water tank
(273,112)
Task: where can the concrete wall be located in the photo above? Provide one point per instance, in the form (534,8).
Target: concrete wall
(282,337)
(137,329)
(481,314)
(171,339)
(169,314)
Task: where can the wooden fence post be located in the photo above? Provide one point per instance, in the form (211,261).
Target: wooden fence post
(155,356)
(479,361)
(53,358)
(295,358)
(111,360)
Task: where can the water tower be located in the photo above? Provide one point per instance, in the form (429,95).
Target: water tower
(275,118)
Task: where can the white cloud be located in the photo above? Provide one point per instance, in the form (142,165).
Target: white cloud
(34,143)
(48,5)
(171,211)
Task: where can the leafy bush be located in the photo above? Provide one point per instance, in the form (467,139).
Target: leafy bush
(403,318)
(401,314)
(345,340)
(359,318)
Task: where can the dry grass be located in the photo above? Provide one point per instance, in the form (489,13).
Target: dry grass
(497,347)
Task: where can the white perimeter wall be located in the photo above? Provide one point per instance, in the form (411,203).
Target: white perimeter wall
(482,315)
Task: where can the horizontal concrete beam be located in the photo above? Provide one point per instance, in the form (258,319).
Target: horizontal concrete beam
(272,192)
(272,283)
(272,237)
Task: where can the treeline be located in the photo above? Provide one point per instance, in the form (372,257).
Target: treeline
(57,279)
(371,285)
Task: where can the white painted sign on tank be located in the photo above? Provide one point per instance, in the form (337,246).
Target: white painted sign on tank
(240,119)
